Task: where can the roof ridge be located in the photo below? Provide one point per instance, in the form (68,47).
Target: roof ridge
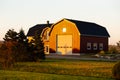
(44,24)
(80,21)
(83,27)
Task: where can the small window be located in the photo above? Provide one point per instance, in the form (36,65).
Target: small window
(101,46)
(95,46)
(88,46)
(47,35)
(47,49)
(64,29)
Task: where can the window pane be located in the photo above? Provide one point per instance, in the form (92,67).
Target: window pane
(95,46)
(101,46)
(88,46)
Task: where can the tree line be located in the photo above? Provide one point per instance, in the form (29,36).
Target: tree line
(16,48)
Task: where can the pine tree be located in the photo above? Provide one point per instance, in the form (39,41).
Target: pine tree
(22,46)
(7,52)
(38,47)
(22,37)
(11,35)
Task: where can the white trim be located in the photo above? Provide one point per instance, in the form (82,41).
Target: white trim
(47,35)
(46,49)
(42,33)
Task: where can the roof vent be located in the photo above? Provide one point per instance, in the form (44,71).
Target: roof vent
(48,23)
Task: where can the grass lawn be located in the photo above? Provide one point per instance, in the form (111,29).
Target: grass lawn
(57,69)
(17,75)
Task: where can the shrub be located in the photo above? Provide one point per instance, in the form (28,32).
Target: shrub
(102,53)
(113,50)
(116,71)
(6,56)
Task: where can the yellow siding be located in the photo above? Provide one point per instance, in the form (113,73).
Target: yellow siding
(71,29)
(45,39)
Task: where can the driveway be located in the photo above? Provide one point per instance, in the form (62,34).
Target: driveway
(77,57)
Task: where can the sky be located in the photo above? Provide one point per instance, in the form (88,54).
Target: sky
(17,14)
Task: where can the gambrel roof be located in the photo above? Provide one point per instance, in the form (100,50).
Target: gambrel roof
(90,29)
(37,28)
(85,28)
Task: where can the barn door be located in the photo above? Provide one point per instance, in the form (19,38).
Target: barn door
(64,44)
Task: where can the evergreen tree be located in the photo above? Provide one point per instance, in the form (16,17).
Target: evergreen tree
(11,35)
(38,47)
(22,37)
(7,52)
(16,47)
(22,47)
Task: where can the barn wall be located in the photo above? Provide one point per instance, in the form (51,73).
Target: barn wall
(71,29)
(92,40)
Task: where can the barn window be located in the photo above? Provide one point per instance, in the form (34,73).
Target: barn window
(101,46)
(47,49)
(47,35)
(88,46)
(94,46)
(64,29)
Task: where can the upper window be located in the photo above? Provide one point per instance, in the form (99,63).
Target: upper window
(64,29)
(47,35)
(101,46)
(88,46)
(94,46)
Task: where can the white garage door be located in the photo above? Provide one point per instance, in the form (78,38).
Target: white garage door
(64,44)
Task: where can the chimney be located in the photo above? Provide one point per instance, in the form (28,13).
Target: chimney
(48,23)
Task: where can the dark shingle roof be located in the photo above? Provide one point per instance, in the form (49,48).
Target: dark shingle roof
(90,29)
(38,28)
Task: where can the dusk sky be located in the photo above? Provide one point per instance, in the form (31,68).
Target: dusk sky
(17,14)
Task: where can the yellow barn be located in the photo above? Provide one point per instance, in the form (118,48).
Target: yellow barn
(68,37)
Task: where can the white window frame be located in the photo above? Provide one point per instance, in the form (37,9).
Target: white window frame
(89,46)
(95,46)
(47,35)
(47,49)
(100,46)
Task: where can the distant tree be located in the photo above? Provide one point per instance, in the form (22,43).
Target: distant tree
(38,47)
(118,44)
(22,47)
(113,49)
(3,57)
(22,37)
(7,52)
(15,48)
(11,35)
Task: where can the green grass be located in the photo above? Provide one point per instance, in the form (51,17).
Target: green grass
(17,75)
(57,69)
